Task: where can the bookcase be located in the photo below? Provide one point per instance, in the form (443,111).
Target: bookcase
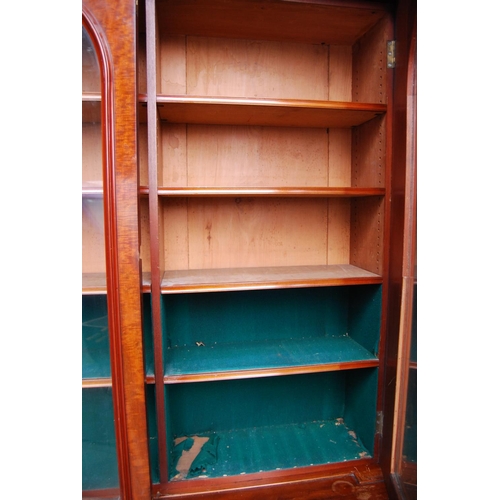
(259,245)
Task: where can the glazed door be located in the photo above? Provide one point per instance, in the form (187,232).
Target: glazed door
(99,443)
(115,444)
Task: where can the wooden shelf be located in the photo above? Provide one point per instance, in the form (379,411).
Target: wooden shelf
(92,192)
(146,281)
(259,278)
(265,112)
(265,358)
(96,382)
(93,283)
(309,192)
(91,108)
(91,97)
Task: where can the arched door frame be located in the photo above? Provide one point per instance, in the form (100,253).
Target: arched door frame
(111,244)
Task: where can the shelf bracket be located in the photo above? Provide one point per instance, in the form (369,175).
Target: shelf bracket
(391,54)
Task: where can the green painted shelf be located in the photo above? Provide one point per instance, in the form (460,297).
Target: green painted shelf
(256,449)
(256,333)
(265,357)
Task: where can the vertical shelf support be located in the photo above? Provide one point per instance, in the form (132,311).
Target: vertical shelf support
(152,122)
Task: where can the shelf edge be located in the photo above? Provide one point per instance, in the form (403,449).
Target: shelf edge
(312,192)
(265,372)
(96,383)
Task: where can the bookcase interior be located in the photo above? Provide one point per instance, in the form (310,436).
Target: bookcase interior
(274,423)
(263,179)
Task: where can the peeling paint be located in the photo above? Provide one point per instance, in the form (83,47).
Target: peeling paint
(188,456)
(193,455)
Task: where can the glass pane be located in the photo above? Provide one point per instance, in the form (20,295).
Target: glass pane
(99,466)
(90,67)
(99,458)
(91,142)
(95,336)
(409,458)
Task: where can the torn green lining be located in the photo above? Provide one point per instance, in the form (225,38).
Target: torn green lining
(185,445)
(206,457)
(278,447)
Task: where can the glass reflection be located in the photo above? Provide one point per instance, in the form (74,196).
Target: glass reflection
(409,458)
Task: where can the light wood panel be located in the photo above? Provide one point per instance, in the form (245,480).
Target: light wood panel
(370,64)
(172,166)
(172,65)
(339,229)
(244,232)
(250,68)
(367,234)
(93,256)
(91,155)
(231,156)
(142,137)
(340,73)
(369,154)
(141,62)
(226,156)
(175,233)
(247,232)
(145,249)
(339,158)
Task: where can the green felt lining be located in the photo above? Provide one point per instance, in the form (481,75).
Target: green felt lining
(95,337)
(265,354)
(99,460)
(274,411)
(270,328)
(240,330)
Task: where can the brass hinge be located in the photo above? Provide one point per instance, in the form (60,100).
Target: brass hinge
(391,53)
(379,424)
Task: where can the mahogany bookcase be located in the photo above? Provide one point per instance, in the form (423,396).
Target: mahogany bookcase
(248,192)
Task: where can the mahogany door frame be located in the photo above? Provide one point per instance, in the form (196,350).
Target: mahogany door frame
(403,233)
(111,26)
